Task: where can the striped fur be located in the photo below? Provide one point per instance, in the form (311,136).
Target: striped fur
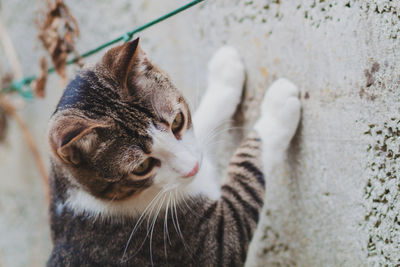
(201,232)
(234,217)
(119,112)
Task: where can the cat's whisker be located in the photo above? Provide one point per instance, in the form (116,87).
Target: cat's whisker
(163,192)
(215,154)
(182,197)
(190,198)
(213,139)
(177,223)
(219,142)
(152,228)
(166,220)
(216,134)
(147,232)
(166,227)
(219,130)
(138,223)
(110,202)
(211,133)
(176,214)
(172,215)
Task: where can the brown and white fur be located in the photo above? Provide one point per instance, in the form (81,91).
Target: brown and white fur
(120,112)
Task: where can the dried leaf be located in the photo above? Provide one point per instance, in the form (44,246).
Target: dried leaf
(39,84)
(6,80)
(58,33)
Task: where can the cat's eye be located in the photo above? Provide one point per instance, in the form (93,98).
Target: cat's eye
(178,123)
(145,167)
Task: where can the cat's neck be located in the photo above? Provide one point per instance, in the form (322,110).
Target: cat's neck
(67,195)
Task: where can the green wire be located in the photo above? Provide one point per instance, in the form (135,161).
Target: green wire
(23,86)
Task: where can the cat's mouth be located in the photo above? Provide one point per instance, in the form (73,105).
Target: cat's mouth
(193,172)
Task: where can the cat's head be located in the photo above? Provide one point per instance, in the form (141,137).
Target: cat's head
(121,128)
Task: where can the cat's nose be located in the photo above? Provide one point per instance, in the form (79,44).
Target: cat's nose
(193,172)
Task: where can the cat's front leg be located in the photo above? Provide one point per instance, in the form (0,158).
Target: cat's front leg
(242,193)
(228,224)
(225,84)
(279,118)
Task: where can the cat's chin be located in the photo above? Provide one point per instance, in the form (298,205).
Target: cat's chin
(147,201)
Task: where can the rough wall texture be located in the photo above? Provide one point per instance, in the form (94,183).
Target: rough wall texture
(336,201)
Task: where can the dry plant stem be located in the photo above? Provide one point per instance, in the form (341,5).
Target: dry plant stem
(10,51)
(10,110)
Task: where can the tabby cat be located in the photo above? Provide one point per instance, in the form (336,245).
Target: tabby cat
(130,183)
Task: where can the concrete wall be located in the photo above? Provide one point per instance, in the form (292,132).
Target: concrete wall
(336,202)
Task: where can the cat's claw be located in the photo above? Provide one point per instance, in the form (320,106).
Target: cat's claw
(280,113)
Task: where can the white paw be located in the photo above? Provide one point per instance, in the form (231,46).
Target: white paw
(280,113)
(225,84)
(226,71)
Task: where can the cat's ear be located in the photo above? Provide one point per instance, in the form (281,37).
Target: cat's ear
(72,137)
(120,60)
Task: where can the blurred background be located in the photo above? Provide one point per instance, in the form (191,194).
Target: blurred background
(335,202)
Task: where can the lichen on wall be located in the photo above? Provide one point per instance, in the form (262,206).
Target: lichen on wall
(382,193)
(390,11)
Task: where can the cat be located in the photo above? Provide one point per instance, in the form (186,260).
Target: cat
(130,183)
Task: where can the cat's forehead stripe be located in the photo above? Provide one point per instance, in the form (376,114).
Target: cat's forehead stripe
(96,99)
